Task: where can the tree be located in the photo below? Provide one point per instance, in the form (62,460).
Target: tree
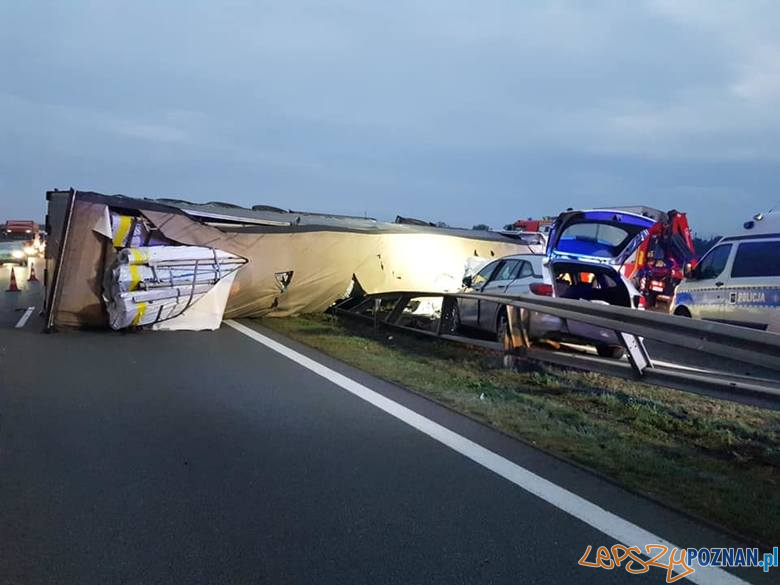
(703,244)
(481,227)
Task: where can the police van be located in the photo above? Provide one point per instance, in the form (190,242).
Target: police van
(738,280)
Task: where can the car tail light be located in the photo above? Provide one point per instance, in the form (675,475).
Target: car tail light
(541,289)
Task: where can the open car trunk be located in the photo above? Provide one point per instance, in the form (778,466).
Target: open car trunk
(598,237)
(575,280)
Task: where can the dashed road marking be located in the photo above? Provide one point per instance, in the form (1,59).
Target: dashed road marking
(24,318)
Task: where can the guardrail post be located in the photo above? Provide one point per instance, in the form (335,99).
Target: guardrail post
(398,309)
(516,339)
(377,306)
(448,305)
(637,353)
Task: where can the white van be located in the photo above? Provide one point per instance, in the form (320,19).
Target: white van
(738,280)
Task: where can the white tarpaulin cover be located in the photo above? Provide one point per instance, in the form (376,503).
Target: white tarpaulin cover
(183,255)
(205,314)
(131,277)
(170,287)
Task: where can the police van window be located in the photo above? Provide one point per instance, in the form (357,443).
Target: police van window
(757,259)
(714,263)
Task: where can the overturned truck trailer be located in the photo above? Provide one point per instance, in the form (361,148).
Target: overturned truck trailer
(117,261)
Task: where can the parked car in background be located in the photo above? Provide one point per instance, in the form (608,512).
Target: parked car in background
(13,248)
(20,240)
(738,280)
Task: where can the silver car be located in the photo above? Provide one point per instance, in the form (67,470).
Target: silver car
(511,275)
(587,253)
(12,250)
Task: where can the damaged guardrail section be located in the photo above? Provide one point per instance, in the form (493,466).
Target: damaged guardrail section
(432,314)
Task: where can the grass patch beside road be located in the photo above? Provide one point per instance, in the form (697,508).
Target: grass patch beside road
(717,460)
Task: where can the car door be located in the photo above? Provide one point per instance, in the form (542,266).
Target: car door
(707,288)
(468,309)
(753,287)
(496,285)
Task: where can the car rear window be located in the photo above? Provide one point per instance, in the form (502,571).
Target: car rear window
(597,239)
(757,259)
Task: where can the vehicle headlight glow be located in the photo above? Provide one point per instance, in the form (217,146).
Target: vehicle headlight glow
(29,250)
(18,254)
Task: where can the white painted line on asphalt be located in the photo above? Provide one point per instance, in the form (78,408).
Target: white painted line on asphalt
(614,526)
(23,319)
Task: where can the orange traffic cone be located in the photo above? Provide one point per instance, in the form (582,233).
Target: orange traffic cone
(32,277)
(12,286)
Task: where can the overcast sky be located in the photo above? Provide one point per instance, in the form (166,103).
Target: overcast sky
(460,111)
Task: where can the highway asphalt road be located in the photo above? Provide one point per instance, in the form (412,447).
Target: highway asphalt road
(13,305)
(211,458)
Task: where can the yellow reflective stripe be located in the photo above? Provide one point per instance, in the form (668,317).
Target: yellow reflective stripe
(136,256)
(125,221)
(135,276)
(140,314)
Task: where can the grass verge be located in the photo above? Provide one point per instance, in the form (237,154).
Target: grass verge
(716,460)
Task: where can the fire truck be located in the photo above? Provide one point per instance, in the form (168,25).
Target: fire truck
(661,258)
(532,225)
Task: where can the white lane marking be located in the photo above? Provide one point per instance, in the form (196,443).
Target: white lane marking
(23,319)
(610,524)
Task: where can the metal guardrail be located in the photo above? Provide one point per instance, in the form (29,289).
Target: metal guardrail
(630,327)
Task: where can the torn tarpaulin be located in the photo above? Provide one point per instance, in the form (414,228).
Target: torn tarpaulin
(297,262)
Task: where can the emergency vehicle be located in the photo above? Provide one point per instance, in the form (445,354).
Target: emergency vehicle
(738,280)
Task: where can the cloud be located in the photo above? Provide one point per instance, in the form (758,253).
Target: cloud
(420,107)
